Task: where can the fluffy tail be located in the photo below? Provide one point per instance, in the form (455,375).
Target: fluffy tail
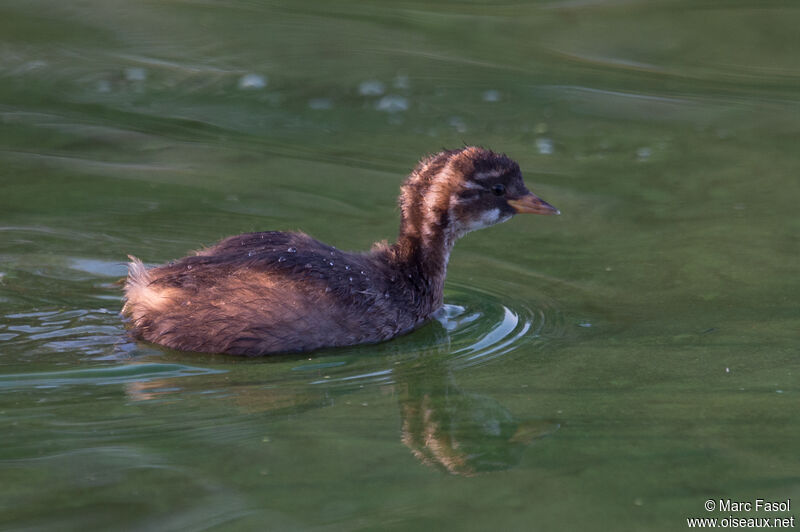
(135,286)
(137,273)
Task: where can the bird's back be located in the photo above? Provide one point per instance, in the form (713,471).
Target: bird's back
(261,293)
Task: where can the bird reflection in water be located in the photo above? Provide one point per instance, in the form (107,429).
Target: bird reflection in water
(445,427)
(459,432)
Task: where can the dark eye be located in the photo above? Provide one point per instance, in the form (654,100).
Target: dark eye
(498,189)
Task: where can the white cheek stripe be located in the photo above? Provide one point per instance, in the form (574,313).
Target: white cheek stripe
(488,218)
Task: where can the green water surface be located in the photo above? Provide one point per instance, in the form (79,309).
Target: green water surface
(609,369)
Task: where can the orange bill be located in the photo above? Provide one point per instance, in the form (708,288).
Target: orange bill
(531,203)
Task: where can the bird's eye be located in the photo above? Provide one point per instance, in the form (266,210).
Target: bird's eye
(498,189)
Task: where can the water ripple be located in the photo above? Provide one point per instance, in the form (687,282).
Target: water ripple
(475,327)
(488,325)
(119,374)
(88,332)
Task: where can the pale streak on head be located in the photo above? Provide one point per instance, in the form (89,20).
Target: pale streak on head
(433,197)
(492,174)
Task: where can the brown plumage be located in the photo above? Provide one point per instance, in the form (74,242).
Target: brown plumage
(275,292)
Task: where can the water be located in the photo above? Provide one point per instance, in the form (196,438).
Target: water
(611,368)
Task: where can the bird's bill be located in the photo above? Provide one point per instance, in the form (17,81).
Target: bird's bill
(532,204)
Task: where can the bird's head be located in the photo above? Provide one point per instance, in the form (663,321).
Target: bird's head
(454,192)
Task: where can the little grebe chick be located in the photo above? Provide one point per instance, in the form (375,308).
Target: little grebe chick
(275,292)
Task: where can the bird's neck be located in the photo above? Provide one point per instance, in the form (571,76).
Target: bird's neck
(421,252)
